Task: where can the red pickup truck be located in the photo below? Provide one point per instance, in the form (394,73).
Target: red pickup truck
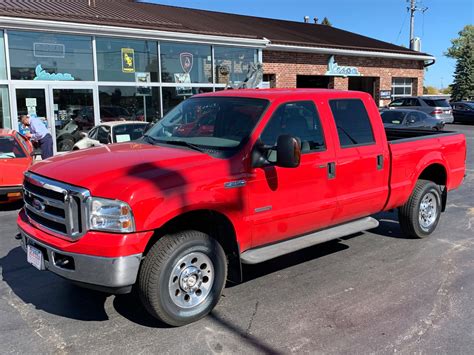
(240,176)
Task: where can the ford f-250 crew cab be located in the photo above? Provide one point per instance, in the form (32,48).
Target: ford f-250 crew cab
(240,176)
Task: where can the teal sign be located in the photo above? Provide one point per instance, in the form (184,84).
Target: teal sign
(339,70)
(42,74)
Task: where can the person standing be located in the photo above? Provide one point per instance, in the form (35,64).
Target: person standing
(39,133)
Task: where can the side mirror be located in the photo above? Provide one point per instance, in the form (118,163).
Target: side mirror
(83,134)
(288,151)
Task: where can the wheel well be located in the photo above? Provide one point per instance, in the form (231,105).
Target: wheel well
(437,174)
(212,223)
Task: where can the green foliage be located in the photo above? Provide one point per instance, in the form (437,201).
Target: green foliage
(326,22)
(430,90)
(466,37)
(463,84)
(446,91)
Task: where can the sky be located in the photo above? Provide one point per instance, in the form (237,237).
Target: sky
(386,20)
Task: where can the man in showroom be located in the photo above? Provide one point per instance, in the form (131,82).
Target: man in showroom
(39,133)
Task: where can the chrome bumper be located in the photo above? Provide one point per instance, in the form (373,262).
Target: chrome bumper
(87,269)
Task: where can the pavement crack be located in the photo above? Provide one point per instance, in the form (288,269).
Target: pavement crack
(247,331)
(39,325)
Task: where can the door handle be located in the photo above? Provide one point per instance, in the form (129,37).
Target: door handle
(331,170)
(379,162)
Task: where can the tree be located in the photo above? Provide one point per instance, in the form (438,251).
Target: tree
(446,91)
(326,22)
(462,50)
(463,84)
(466,36)
(430,90)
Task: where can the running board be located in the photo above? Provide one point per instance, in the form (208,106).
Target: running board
(258,255)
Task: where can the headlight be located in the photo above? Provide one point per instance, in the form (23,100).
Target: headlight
(110,215)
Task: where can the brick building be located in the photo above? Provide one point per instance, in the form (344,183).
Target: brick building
(75,63)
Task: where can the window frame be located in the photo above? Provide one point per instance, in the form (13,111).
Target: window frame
(323,148)
(370,123)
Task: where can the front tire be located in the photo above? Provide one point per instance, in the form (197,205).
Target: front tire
(420,215)
(182,277)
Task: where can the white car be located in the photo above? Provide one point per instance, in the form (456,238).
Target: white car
(111,132)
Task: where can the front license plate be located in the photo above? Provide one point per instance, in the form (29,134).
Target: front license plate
(35,257)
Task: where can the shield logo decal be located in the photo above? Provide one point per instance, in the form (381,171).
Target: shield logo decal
(186,60)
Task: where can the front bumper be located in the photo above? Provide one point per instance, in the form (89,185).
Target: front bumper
(106,273)
(11,193)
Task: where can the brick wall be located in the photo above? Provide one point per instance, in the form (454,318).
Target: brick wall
(287,65)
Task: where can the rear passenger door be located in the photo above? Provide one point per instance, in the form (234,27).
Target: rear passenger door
(285,202)
(361,160)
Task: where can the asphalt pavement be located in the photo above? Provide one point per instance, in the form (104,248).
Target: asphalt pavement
(375,292)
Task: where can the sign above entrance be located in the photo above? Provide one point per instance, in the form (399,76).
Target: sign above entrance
(339,70)
(42,74)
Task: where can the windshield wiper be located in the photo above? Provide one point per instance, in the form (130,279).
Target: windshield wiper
(182,143)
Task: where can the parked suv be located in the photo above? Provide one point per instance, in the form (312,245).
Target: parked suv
(436,107)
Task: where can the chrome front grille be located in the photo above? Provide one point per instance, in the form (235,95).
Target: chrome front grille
(55,207)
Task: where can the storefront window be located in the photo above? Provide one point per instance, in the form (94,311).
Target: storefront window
(48,56)
(401,87)
(129,103)
(5,119)
(173,96)
(185,63)
(127,60)
(3,67)
(232,64)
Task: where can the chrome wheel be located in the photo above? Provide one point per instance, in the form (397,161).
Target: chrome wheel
(428,211)
(191,280)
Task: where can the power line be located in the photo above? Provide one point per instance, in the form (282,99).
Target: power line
(401,28)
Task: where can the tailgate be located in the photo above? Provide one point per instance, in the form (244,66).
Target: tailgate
(440,157)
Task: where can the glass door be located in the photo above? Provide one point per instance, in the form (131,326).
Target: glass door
(73,112)
(32,102)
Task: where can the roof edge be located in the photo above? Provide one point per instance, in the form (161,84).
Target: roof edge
(348,52)
(18,23)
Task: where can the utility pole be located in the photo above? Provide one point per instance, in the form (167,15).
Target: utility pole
(413,8)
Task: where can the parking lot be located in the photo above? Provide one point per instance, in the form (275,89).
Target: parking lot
(375,292)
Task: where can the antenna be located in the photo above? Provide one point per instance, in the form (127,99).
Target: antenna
(414,6)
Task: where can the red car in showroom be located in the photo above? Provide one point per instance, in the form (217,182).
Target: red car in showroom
(15,159)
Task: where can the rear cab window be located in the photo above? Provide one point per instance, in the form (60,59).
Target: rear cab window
(353,123)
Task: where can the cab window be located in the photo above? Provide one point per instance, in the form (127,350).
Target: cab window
(352,122)
(298,119)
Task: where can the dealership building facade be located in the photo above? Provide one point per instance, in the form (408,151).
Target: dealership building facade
(76,63)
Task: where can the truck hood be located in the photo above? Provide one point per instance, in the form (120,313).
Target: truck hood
(110,170)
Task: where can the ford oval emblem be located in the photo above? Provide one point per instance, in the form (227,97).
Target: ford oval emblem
(38,205)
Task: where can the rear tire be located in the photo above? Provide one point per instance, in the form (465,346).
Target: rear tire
(182,277)
(420,215)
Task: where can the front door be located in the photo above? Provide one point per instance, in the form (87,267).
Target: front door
(285,202)
(33,101)
(73,114)
(65,111)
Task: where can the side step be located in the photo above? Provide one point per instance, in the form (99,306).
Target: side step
(258,255)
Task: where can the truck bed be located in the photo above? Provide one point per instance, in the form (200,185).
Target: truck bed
(410,153)
(395,135)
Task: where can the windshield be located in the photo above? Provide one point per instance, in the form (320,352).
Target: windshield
(9,148)
(128,132)
(212,122)
(393,116)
